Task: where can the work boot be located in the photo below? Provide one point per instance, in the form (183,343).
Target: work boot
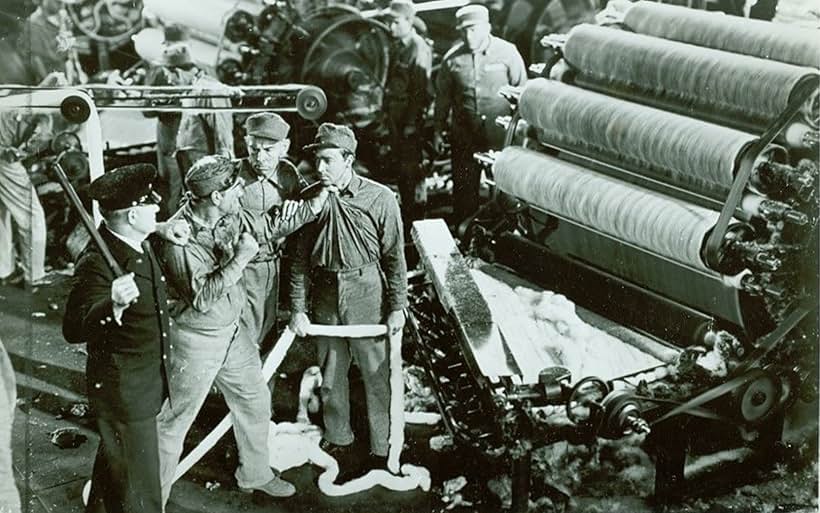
(356,468)
(338,452)
(276,487)
(378,462)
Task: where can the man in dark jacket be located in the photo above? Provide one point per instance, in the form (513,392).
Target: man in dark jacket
(125,323)
(407,96)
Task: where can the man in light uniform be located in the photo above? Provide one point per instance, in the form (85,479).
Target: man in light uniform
(211,343)
(270,181)
(467,84)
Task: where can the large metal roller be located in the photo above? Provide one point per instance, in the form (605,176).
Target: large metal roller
(672,229)
(693,80)
(780,42)
(688,152)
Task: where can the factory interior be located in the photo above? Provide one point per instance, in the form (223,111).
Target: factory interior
(607,218)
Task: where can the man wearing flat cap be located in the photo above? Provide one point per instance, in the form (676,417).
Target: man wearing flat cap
(471,74)
(353,256)
(125,322)
(175,69)
(211,344)
(271,183)
(407,96)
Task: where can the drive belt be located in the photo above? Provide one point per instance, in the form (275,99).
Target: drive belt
(743,373)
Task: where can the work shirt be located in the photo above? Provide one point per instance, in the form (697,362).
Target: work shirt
(28,132)
(468,83)
(359,226)
(408,81)
(205,293)
(262,197)
(208,133)
(38,42)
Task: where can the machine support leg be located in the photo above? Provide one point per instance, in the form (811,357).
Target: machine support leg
(521,482)
(670,461)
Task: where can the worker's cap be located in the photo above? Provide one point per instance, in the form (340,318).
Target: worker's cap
(471,15)
(211,173)
(331,135)
(401,9)
(125,187)
(267,125)
(175,33)
(177,55)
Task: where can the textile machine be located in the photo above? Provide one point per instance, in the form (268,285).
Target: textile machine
(334,46)
(666,184)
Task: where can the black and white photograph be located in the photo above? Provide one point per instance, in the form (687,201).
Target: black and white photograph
(409,256)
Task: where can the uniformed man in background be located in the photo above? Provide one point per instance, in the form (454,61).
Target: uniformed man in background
(176,69)
(467,84)
(38,41)
(406,99)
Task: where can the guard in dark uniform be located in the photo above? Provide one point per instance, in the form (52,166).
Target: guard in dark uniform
(125,324)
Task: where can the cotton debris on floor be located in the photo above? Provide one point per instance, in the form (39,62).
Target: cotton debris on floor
(418,394)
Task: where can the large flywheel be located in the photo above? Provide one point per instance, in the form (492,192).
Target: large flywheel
(107,21)
(348,57)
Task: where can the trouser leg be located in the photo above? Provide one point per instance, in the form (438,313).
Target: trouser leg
(20,199)
(7,259)
(408,162)
(261,281)
(241,382)
(371,357)
(271,300)
(193,366)
(466,181)
(126,470)
(334,360)
(9,497)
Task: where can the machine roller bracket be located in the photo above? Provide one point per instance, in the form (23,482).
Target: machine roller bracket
(745,165)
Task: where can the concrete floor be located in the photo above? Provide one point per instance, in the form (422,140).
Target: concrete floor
(50,378)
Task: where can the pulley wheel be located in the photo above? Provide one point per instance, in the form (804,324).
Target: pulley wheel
(106,21)
(240,27)
(75,109)
(65,141)
(811,110)
(229,71)
(759,398)
(585,399)
(75,165)
(311,103)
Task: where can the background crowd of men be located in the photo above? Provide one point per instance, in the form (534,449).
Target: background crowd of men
(185,303)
